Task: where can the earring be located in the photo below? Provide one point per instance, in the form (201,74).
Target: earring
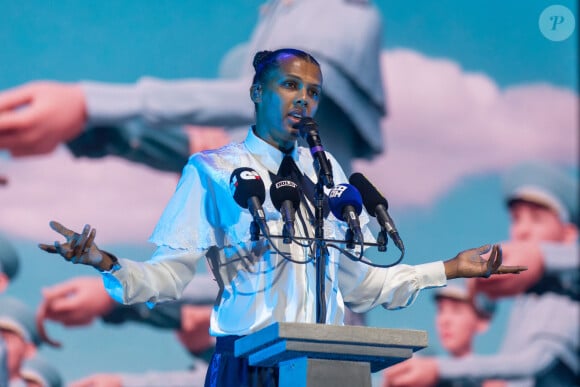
(256,92)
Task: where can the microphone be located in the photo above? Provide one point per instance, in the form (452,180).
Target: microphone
(286,198)
(376,205)
(309,131)
(346,204)
(249,192)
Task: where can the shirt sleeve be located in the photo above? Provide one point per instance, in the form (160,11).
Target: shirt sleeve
(520,383)
(166,150)
(214,102)
(365,287)
(530,360)
(561,262)
(166,315)
(560,257)
(202,290)
(162,278)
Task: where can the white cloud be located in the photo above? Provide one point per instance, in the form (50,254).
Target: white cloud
(445,124)
(121,200)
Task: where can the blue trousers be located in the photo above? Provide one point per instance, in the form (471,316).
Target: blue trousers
(227,370)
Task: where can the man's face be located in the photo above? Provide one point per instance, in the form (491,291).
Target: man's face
(290,92)
(457,323)
(16,347)
(536,223)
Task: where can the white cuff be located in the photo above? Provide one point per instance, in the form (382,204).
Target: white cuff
(430,275)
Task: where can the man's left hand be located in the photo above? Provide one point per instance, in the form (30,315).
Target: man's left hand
(471,263)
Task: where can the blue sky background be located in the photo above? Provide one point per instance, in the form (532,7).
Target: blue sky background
(120,41)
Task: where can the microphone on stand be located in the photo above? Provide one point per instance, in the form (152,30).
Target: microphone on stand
(309,131)
(285,196)
(346,204)
(376,205)
(249,192)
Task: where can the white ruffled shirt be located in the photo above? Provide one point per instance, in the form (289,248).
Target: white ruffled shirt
(258,286)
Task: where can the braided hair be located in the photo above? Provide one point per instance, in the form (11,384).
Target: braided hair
(265,61)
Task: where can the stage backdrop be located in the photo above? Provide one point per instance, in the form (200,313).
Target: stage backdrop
(472,88)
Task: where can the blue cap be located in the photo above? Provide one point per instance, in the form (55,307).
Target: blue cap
(544,184)
(9,261)
(38,370)
(456,289)
(19,318)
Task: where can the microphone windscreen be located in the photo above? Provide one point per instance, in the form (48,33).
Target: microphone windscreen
(245,183)
(341,196)
(370,195)
(306,126)
(282,190)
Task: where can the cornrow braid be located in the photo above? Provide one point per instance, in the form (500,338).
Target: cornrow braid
(264,61)
(260,59)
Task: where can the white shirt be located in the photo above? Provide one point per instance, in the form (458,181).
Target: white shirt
(259,286)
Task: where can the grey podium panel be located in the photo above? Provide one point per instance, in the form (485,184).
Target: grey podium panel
(304,372)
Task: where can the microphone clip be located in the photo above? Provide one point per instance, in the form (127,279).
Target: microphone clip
(254,231)
(287,234)
(349,237)
(351,240)
(382,240)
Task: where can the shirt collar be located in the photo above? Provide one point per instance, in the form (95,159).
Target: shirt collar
(269,156)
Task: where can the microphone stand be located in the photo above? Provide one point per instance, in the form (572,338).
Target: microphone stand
(321,252)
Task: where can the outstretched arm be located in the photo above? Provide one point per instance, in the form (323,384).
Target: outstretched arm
(428,371)
(163,278)
(166,150)
(398,286)
(35,118)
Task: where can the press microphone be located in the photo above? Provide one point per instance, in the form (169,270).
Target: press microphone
(376,205)
(346,204)
(285,196)
(249,192)
(309,131)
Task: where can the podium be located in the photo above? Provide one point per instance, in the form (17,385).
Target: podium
(321,355)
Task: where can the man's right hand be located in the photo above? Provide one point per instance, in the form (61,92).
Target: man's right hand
(79,248)
(36,117)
